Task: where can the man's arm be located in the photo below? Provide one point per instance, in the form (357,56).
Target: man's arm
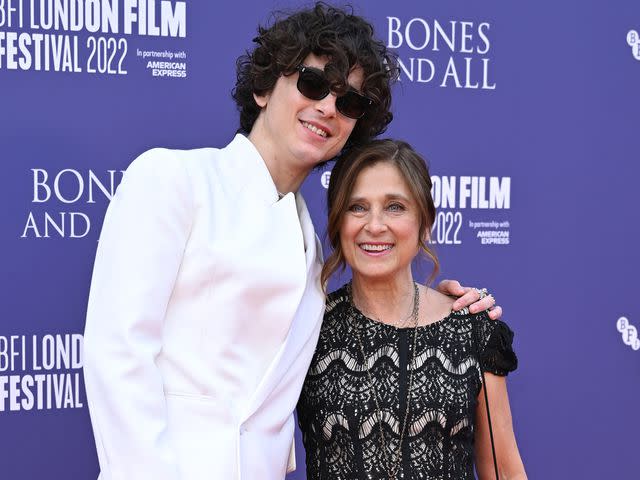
(139,254)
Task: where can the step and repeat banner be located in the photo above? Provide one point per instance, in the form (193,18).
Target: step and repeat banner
(526,111)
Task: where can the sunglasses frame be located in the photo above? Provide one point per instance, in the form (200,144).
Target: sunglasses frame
(302,69)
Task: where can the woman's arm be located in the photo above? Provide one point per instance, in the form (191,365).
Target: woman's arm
(510,465)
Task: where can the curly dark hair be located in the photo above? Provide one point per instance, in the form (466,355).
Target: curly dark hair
(346,39)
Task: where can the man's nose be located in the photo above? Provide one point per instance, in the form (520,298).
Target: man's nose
(327,105)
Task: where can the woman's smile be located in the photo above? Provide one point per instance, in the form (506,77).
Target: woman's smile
(375,249)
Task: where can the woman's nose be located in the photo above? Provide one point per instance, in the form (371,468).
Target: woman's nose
(376,223)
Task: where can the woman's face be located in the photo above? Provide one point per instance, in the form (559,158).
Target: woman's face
(379,231)
(299,131)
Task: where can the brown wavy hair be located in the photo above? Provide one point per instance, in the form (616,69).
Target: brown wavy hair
(414,171)
(346,39)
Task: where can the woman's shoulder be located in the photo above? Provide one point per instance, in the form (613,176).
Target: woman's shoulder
(495,342)
(481,321)
(335,330)
(337,301)
(438,302)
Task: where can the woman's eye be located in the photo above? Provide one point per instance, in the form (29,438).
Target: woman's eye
(356,208)
(395,207)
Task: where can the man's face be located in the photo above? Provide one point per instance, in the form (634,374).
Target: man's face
(300,131)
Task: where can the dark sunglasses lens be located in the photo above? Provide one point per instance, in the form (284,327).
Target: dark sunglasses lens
(313,85)
(352,105)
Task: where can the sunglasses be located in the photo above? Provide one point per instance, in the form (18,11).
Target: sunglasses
(313,84)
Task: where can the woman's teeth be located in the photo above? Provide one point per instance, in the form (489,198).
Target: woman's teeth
(375,248)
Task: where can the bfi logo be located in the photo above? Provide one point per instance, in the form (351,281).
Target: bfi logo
(629,333)
(633,39)
(325,178)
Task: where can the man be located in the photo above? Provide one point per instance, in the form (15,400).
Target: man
(205,301)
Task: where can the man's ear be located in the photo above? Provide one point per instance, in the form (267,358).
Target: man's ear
(261,100)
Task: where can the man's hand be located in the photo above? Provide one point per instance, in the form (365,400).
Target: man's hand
(470,297)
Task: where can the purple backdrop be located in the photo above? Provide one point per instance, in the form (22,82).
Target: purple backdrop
(525,111)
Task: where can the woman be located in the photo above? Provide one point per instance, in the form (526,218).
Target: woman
(395,389)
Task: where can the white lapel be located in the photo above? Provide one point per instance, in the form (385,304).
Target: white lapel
(308,314)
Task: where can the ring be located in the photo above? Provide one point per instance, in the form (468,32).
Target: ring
(482,292)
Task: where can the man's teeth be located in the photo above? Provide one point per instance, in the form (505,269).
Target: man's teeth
(375,248)
(315,129)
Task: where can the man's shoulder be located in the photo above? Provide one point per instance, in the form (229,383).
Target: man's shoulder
(160,158)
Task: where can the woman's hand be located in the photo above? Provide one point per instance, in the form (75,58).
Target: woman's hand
(470,297)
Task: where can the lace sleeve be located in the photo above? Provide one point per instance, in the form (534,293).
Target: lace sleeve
(496,352)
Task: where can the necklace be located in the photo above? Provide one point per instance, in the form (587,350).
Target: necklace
(399,324)
(392,465)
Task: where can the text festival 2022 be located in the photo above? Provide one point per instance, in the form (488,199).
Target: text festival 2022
(26,45)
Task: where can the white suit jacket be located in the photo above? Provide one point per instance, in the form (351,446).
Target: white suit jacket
(204,312)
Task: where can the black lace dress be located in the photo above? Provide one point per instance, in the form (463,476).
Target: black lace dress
(337,411)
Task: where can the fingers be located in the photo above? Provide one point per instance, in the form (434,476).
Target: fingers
(477,300)
(470,297)
(483,304)
(495,313)
(451,288)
